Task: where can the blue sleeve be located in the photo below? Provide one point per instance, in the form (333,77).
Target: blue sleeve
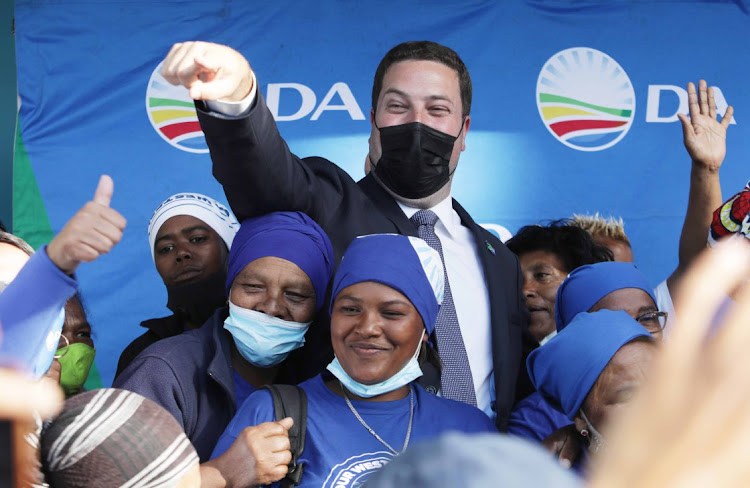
(480,422)
(30,312)
(535,419)
(258,408)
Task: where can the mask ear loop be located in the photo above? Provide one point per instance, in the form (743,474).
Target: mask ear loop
(65,348)
(419,346)
(595,437)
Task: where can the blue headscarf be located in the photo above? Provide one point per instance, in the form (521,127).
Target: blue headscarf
(287,235)
(565,369)
(406,264)
(588,284)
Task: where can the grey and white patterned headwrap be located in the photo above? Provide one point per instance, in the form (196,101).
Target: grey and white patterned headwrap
(115,438)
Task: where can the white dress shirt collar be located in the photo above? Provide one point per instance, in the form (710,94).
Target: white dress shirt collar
(448,218)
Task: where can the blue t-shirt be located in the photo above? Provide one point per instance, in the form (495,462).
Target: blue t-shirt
(242,389)
(535,419)
(338,448)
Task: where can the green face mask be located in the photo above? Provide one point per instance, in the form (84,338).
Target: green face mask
(74,366)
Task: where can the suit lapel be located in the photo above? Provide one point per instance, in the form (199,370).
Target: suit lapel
(387,205)
(493,273)
(484,248)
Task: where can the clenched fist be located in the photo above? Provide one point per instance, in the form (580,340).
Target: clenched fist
(260,455)
(210,71)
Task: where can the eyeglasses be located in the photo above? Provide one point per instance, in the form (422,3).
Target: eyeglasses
(653,321)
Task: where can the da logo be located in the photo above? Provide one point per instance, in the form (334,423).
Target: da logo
(172,113)
(354,471)
(585,99)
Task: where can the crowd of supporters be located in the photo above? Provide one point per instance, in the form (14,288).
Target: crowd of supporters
(339,333)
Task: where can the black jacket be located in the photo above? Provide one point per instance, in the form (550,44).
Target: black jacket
(158,329)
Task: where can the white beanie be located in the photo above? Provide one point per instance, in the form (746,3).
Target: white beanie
(204,208)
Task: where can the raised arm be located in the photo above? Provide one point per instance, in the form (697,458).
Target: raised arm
(250,158)
(705,140)
(30,306)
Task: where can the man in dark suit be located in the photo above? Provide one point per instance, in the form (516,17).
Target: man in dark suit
(420,115)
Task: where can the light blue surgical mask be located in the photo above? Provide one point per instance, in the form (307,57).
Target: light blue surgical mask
(406,375)
(262,339)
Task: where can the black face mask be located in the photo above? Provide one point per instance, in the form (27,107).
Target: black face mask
(415,159)
(195,302)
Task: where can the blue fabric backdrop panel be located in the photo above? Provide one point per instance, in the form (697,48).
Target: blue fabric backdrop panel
(574,110)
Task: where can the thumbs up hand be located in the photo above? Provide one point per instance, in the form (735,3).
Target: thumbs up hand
(92,231)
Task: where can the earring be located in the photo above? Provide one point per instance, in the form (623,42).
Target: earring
(584,433)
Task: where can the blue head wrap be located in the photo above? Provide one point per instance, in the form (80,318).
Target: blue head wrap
(588,284)
(565,369)
(287,235)
(404,263)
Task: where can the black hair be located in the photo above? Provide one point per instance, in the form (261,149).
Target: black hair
(574,246)
(429,355)
(424,51)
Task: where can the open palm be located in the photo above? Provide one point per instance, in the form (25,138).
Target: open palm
(704,136)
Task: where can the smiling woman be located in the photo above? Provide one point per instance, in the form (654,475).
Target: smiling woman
(386,296)
(278,271)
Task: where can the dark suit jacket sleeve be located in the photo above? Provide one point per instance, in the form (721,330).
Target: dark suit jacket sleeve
(156,380)
(260,174)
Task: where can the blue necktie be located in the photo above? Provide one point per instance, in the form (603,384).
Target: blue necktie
(455,379)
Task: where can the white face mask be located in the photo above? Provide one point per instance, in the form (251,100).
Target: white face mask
(597,442)
(410,372)
(262,339)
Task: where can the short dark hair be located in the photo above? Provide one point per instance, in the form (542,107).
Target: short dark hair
(425,51)
(574,246)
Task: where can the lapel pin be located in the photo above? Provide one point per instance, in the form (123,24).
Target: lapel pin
(490,248)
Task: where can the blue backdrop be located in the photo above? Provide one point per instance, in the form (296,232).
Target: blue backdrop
(574,110)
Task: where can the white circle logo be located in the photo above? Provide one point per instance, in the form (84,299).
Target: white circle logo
(585,99)
(172,114)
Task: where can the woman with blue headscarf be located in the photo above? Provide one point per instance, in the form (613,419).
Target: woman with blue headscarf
(610,286)
(600,286)
(368,407)
(279,268)
(591,369)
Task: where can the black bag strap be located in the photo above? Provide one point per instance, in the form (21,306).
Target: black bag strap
(291,401)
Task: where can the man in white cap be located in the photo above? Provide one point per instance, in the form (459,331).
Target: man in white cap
(190,235)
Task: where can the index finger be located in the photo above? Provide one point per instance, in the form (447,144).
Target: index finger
(104,191)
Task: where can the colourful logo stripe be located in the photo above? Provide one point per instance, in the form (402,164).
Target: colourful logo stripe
(552,112)
(160,116)
(169,102)
(174,130)
(549,98)
(562,128)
